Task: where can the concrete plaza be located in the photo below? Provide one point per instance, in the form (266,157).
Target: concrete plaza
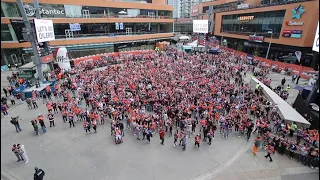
(68,153)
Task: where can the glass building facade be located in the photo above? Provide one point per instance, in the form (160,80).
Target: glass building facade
(74,11)
(254,23)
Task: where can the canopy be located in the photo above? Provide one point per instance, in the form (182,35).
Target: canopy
(184,37)
(286,112)
(187,47)
(195,44)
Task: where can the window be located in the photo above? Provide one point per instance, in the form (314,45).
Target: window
(5,33)
(258,25)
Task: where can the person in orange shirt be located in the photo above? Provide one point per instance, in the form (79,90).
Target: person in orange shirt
(49,107)
(257,144)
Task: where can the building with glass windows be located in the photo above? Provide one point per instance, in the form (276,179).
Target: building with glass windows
(250,25)
(103,23)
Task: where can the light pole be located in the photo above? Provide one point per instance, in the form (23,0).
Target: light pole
(269,32)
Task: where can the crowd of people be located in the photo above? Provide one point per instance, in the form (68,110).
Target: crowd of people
(178,96)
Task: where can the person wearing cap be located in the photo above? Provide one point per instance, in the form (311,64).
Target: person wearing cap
(38,174)
(15,150)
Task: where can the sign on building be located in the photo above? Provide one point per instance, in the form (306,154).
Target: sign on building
(255,38)
(315,46)
(75,27)
(243,6)
(200,26)
(44,30)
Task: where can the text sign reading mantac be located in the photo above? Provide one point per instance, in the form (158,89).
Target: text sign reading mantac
(44,30)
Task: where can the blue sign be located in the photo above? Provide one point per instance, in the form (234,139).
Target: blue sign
(4,68)
(75,27)
(117,26)
(297,12)
(296,34)
(121,27)
(265,26)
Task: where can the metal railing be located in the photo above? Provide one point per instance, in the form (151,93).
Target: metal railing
(108,34)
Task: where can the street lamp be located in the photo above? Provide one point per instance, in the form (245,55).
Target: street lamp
(269,32)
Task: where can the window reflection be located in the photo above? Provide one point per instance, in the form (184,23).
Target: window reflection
(74,11)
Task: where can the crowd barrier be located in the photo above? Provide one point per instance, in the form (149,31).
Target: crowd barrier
(115,54)
(304,71)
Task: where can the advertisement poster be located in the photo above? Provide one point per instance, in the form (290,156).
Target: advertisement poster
(44,30)
(200,26)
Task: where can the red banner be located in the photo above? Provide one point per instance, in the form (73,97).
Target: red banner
(47,59)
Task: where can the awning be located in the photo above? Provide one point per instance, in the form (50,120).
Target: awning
(285,111)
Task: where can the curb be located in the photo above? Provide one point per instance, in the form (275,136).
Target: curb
(7,176)
(10,109)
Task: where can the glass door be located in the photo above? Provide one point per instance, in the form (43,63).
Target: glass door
(128,31)
(68,33)
(85,13)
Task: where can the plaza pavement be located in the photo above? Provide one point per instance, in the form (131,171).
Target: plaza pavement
(68,153)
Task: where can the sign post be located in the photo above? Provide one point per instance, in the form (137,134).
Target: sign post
(32,39)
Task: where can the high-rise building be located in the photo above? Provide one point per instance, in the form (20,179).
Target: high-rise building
(176,8)
(185,8)
(137,24)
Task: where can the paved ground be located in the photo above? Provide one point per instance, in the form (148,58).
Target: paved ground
(68,153)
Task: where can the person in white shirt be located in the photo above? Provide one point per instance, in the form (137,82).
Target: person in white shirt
(23,152)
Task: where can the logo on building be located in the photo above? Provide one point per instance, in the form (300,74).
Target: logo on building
(297,12)
(245,18)
(291,23)
(292,33)
(31,11)
(256,38)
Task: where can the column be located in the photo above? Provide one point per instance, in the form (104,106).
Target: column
(4,57)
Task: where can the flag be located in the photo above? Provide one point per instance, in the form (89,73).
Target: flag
(298,55)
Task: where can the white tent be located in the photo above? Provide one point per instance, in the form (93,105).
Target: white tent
(195,44)
(184,37)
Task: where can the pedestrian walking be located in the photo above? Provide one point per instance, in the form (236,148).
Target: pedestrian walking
(23,152)
(257,144)
(86,126)
(175,138)
(42,124)
(34,102)
(38,174)
(94,125)
(5,91)
(184,142)
(71,119)
(270,151)
(4,109)
(149,135)
(197,140)
(51,119)
(15,122)
(35,126)
(16,151)
(162,133)
(283,81)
